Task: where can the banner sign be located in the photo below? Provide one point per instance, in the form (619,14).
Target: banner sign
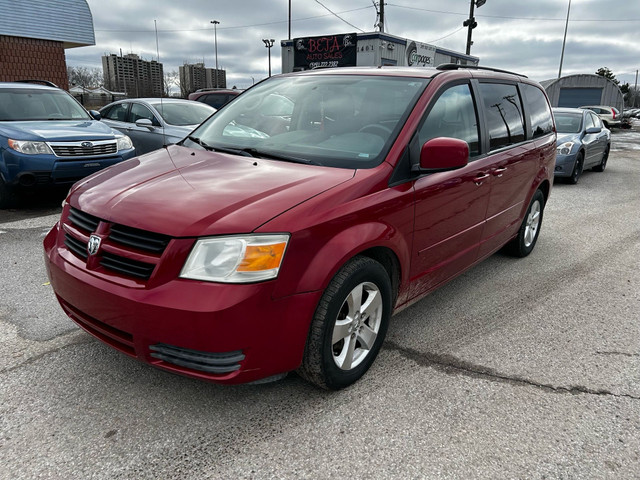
(420,54)
(325,51)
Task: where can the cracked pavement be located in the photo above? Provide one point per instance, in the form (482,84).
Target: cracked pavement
(524,368)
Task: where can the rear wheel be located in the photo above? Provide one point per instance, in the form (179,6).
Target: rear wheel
(349,325)
(523,244)
(603,162)
(577,170)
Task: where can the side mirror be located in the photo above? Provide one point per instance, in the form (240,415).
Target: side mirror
(95,114)
(144,122)
(592,130)
(442,154)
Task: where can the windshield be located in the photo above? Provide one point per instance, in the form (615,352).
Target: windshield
(347,121)
(568,122)
(183,113)
(29,104)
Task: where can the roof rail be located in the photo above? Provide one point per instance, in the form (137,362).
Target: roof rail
(43,82)
(455,66)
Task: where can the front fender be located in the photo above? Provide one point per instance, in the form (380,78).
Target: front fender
(312,260)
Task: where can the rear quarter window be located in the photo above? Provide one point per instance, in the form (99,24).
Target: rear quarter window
(540,119)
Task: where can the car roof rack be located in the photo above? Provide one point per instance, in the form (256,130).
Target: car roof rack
(455,66)
(43,82)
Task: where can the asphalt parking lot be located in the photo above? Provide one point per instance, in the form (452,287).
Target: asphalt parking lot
(523,368)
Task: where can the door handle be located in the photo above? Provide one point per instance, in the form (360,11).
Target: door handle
(499,171)
(479,180)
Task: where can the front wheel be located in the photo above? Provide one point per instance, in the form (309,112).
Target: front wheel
(7,196)
(523,244)
(349,325)
(577,170)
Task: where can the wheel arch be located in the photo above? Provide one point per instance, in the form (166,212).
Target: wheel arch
(376,240)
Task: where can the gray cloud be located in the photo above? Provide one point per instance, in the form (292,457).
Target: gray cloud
(521,36)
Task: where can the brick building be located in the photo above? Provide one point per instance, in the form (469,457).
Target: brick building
(34,35)
(132,75)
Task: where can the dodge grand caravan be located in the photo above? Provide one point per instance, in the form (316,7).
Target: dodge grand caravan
(261,245)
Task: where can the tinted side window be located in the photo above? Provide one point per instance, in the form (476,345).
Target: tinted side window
(453,115)
(503,108)
(597,122)
(140,111)
(117,112)
(539,112)
(215,100)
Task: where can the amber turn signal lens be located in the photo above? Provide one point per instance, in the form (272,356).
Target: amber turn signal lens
(262,257)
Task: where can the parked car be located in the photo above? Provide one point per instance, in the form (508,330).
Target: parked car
(216,97)
(583,142)
(47,138)
(153,122)
(610,116)
(236,255)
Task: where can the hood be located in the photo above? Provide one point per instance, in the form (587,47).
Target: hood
(57,130)
(182,192)
(567,137)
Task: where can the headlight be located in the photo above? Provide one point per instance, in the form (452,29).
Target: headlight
(565,148)
(29,148)
(241,259)
(124,143)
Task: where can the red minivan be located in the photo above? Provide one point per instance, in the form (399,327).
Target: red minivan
(280,239)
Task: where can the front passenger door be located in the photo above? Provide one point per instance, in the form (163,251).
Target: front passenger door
(145,139)
(450,206)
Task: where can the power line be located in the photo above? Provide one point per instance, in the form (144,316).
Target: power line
(446,36)
(338,16)
(516,18)
(238,26)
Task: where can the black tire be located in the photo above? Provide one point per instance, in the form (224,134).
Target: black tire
(603,163)
(523,244)
(577,170)
(335,363)
(7,196)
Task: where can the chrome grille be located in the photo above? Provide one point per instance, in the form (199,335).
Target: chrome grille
(84,149)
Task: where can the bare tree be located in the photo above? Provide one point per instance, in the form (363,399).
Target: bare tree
(171,79)
(85,76)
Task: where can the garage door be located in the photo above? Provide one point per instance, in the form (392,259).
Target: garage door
(577,97)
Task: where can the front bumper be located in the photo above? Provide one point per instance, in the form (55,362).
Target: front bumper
(565,164)
(216,332)
(40,170)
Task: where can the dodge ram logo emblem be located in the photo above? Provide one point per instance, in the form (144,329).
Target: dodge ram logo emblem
(94,244)
(86,144)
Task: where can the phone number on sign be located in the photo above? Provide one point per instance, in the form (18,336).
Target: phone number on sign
(322,64)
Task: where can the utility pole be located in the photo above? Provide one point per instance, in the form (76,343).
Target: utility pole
(381,15)
(471,23)
(564,41)
(289,38)
(635,91)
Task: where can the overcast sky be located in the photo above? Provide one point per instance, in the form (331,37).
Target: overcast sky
(518,35)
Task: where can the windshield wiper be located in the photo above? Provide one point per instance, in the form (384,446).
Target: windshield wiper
(254,152)
(200,142)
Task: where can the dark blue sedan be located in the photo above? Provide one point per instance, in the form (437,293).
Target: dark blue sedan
(583,142)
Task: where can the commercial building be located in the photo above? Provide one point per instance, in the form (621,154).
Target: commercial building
(34,35)
(583,89)
(132,75)
(194,76)
(364,49)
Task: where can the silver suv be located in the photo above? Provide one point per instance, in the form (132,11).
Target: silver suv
(610,116)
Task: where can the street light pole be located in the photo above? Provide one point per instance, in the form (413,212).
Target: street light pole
(471,23)
(215,40)
(269,43)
